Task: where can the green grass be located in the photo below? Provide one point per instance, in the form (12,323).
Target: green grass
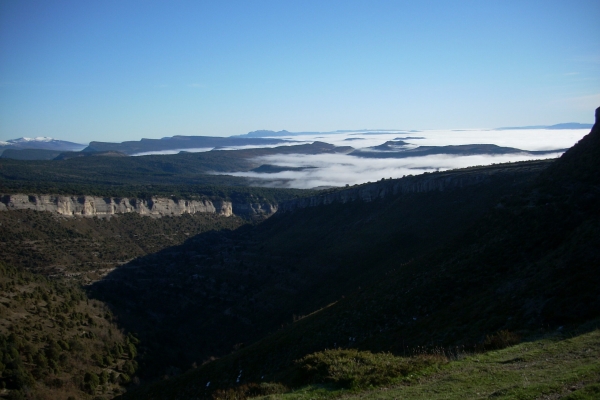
(553,367)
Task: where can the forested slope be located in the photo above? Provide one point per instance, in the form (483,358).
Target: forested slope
(55,343)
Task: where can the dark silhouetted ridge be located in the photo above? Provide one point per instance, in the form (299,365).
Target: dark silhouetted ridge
(581,163)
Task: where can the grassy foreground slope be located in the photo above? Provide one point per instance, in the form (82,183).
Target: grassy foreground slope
(557,366)
(531,265)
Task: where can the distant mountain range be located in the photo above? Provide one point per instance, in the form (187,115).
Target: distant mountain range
(268,133)
(566,125)
(178,143)
(40,143)
(46,148)
(398,149)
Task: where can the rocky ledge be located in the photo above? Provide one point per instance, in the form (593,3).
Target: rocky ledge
(92,206)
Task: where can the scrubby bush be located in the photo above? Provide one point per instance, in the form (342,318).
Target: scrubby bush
(90,382)
(501,340)
(356,369)
(104,377)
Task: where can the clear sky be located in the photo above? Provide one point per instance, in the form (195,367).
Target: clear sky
(123,70)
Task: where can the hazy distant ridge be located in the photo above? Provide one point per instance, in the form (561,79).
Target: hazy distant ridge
(177,143)
(565,125)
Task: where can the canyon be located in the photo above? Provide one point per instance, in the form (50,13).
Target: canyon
(96,206)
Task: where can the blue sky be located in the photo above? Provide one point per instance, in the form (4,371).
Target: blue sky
(123,70)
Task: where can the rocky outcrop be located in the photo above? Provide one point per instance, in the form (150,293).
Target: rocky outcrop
(438,181)
(254,210)
(91,206)
(94,206)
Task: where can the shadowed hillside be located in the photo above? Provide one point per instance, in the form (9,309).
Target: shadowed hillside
(221,290)
(526,264)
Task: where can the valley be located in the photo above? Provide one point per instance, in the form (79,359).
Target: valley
(417,276)
(317,200)
(521,270)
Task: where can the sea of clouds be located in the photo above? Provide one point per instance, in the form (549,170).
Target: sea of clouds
(339,169)
(326,170)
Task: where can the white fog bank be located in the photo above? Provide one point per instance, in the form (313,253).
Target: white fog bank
(342,169)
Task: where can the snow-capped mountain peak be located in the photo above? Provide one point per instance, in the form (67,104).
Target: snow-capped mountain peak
(29,140)
(39,143)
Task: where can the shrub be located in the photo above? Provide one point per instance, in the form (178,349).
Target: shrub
(90,382)
(356,369)
(129,367)
(124,378)
(501,340)
(104,377)
(53,351)
(40,360)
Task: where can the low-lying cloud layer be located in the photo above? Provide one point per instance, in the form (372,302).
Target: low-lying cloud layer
(525,139)
(342,169)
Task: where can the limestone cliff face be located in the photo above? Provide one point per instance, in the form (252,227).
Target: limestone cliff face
(438,181)
(90,206)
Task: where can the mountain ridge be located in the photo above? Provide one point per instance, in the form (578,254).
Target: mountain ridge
(396,149)
(564,125)
(40,143)
(176,143)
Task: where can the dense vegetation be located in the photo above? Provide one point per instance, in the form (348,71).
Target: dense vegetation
(184,172)
(55,343)
(88,248)
(30,154)
(185,175)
